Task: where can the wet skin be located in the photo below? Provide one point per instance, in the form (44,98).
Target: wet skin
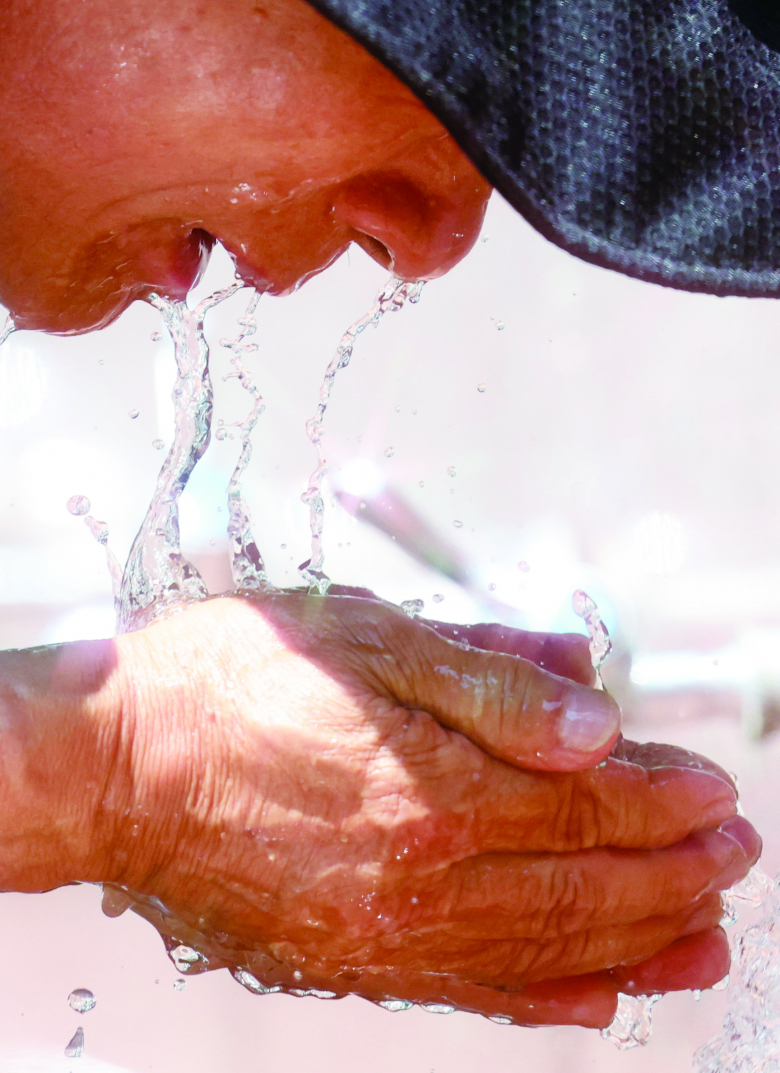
(135,133)
(329,784)
(293,773)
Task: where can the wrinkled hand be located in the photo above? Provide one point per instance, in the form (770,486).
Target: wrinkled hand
(329,794)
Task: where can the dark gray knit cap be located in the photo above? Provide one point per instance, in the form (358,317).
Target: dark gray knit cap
(642,135)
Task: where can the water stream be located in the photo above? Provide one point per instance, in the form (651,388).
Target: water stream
(158,577)
(393,296)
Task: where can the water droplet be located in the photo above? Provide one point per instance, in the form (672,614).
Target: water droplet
(458,524)
(398,409)
(101,361)
(158,445)
(78,505)
(482,388)
(499,1020)
(156,337)
(600,643)
(221,434)
(437,597)
(697,995)
(412,607)
(179,985)
(500,325)
(283,547)
(395,1005)
(421,484)
(132,414)
(389,452)
(452,471)
(251,983)
(721,985)
(486,238)
(523,565)
(81,1000)
(75,1047)
(633,1021)
(492,586)
(437,1007)
(184,957)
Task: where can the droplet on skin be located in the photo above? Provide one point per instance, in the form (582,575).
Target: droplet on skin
(482,388)
(452,471)
(78,506)
(179,985)
(81,1000)
(389,452)
(421,484)
(221,433)
(158,445)
(500,325)
(492,586)
(523,565)
(156,337)
(437,597)
(458,524)
(75,1047)
(184,957)
(133,414)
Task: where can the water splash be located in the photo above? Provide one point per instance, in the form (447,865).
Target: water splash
(393,296)
(632,1024)
(157,575)
(246,562)
(750,1040)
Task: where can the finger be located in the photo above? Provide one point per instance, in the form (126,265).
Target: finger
(564,654)
(506,705)
(619,805)
(589,1000)
(653,755)
(694,962)
(514,963)
(567,893)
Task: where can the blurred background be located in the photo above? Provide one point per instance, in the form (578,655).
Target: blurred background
(533,426)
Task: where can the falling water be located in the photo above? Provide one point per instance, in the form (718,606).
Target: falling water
(750,1041)
(157,575)
(246,562)
(390,299)
(79,507)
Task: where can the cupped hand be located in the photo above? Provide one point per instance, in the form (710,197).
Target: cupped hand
(327,794)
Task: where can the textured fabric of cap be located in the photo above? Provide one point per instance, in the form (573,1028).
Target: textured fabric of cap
(642,135)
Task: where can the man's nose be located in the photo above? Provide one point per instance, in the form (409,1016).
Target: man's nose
(419,215)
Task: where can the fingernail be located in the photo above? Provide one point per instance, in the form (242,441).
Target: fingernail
(589,721)
(743,832)
(703,918)
(736,847)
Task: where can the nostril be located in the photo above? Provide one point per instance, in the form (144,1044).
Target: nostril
(419,226)
(374,248)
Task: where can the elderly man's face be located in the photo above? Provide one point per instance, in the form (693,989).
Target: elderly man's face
(135,132)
